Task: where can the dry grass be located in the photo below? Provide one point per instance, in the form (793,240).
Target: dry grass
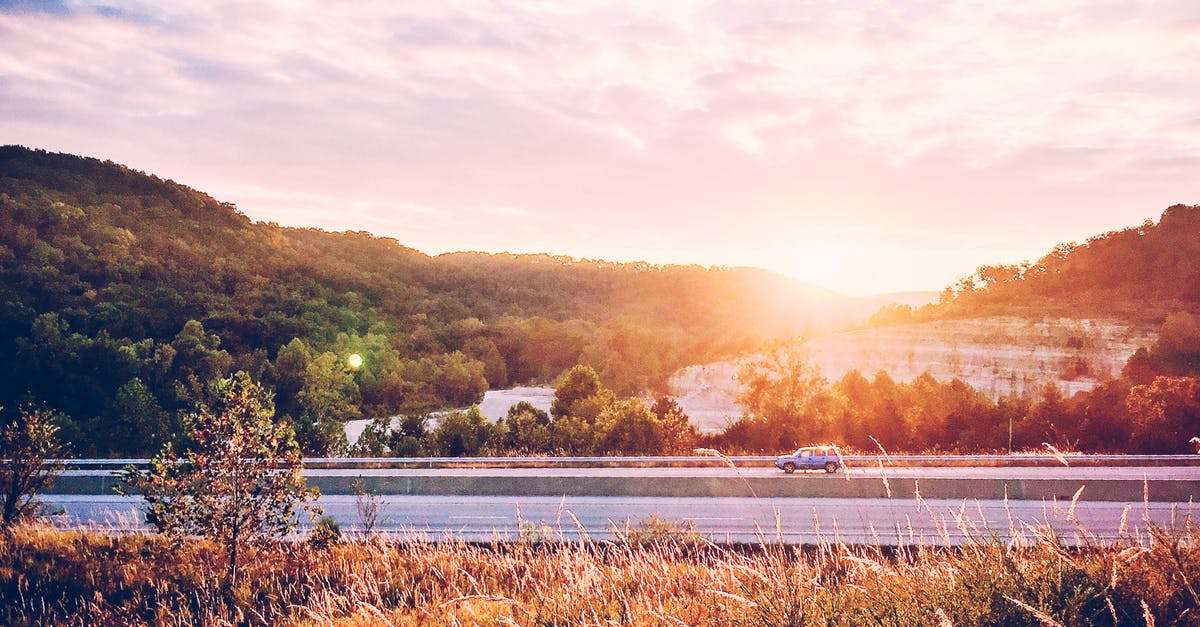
(665,576)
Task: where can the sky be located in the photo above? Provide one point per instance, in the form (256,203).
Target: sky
(865,146)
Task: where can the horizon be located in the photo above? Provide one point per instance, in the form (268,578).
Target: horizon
(891,149)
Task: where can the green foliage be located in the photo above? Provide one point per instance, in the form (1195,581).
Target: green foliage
(29,454)
(123,296)
(526,429)
(239,480)
(461,433)
(573,436)
(329,397)
(628,427)
(651,531)
(580,395)
(678,435)
(386,437)
(138,420)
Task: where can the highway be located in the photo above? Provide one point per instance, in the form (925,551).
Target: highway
(792,520)
(911,504)
(1117,483)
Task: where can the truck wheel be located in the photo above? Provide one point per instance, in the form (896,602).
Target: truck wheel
(789,468)
(831,467)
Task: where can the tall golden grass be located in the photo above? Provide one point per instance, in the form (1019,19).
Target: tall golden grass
(663,575)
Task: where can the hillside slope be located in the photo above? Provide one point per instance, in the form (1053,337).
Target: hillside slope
(118,288)
(1138,273)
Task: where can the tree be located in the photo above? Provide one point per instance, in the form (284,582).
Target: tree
(29,454)
(1177,350)
(395,437)
(580,394)
(239,481)
(629,427)
(526,429)
(291,364)
(679,435)
(789,394)
(139,425)
(570,435)
(1042,423)
(197,360)
(329,398)
(1165,414)
(461,434)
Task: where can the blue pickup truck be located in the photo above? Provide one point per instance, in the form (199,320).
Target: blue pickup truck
(811,458)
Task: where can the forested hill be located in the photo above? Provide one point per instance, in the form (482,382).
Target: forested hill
(1139,273)
(122,293)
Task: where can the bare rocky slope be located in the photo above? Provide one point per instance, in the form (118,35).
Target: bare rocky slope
(996,355)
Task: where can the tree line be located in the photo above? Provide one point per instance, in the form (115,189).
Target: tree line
(586,418)
(1140,273)
(1152,407)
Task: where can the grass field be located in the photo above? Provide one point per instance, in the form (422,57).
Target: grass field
(652,573)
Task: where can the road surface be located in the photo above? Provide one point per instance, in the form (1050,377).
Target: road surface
(792,520)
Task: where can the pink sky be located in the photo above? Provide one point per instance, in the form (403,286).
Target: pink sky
(896,146)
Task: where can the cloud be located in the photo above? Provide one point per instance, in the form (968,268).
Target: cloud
(706,128)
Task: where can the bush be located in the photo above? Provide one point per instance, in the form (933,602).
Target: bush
(29,451)
(327,531)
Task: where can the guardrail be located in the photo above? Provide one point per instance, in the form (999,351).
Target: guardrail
(689,461)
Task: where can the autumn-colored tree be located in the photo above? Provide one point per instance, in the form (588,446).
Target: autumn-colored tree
(1165,414)
(784,390)
(29,460)
(240,480)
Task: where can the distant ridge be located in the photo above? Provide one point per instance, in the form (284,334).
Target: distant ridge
(1140,273)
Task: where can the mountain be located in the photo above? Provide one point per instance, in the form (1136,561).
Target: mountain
(120,289)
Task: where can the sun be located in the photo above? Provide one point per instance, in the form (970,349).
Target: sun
(355,361)
(821,263)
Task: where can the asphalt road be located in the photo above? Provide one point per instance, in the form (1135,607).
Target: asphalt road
(792,520)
